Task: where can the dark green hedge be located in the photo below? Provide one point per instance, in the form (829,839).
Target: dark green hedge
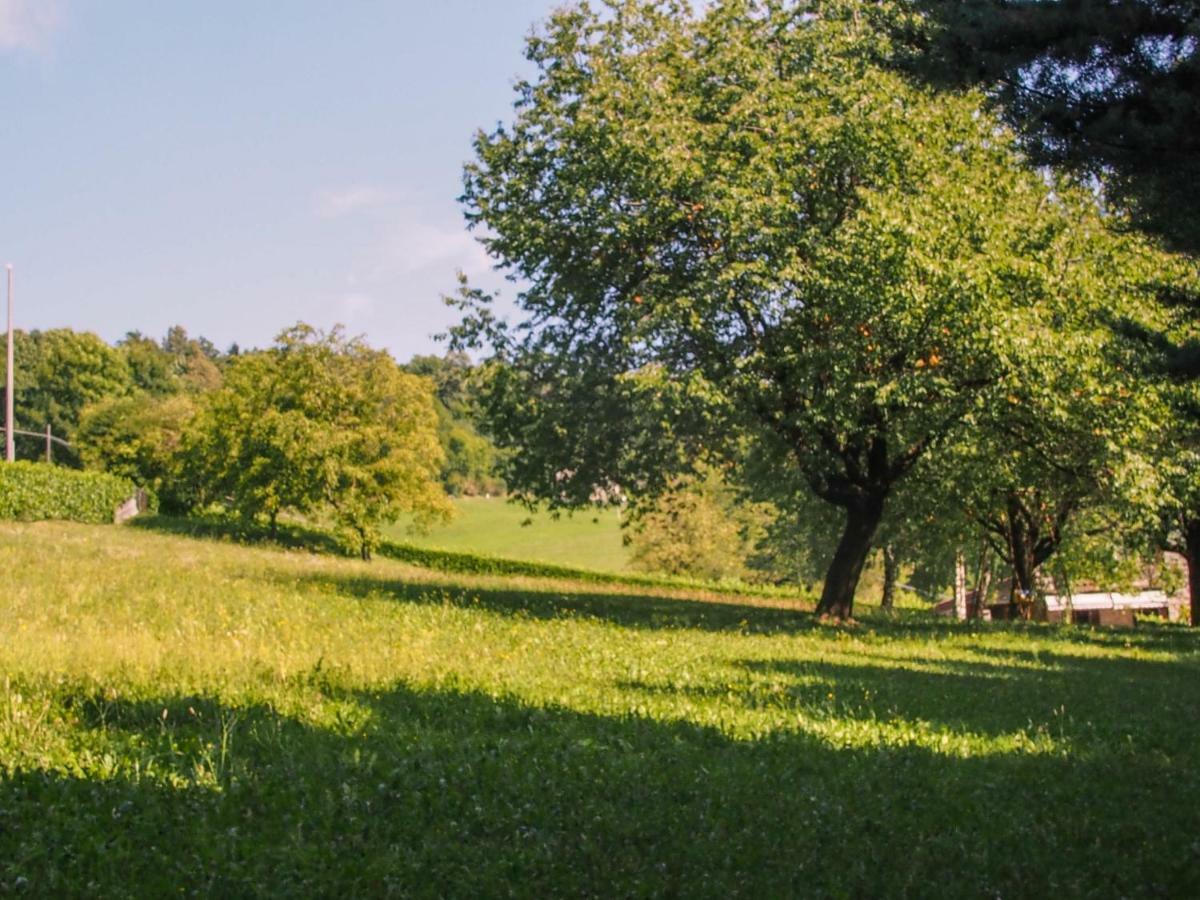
(31,491)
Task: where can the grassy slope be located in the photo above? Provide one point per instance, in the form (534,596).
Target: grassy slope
(588,540)
(180,715)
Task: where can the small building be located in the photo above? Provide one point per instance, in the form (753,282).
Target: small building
(1113,608)
(1090,605)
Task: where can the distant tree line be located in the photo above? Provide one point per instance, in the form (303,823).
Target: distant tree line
(317,425)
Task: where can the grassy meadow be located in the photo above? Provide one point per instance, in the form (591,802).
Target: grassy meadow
(494,527)
(187,716)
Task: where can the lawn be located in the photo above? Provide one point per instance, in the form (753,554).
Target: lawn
(492,526)
(194,716)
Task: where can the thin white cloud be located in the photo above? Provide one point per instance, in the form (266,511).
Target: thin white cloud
(29,25)
(412,245)
(337,202)
(404,254)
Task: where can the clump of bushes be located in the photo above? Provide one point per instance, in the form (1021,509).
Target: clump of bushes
(31,491)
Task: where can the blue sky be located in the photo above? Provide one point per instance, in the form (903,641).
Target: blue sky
(237,165)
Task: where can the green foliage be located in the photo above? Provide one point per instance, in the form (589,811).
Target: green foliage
(471,462)
(193,717)
(194,361)
(700,529)
(151,368)
(138,437)
(1176,455)
(1103,87)
(59,373)
(319,424)
(34,491)
(811,255)
(177,364)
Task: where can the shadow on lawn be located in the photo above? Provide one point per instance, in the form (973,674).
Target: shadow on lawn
(211,528)
(1085,707)
(634,606)
(628,608)
(421,791)
(315,540)
(1090,705)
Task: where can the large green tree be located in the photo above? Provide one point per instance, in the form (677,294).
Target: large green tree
(1178,453)
(813,254)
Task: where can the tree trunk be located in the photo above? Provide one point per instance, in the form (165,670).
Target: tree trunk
(1192,546)
(891,573)
(841,580)
(1021,598)
(1021,544)
(983,584)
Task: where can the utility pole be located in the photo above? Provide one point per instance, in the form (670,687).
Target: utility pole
(10,452)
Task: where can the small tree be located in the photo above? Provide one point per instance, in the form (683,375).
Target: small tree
(319,423)
(701,528)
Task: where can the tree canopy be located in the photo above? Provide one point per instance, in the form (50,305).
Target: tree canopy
(319,423)
(747,220)
(1110,89)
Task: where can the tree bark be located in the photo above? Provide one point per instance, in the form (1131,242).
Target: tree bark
(841,580)
(1024,538)
(1192,555)
(1021,598)
(891,574)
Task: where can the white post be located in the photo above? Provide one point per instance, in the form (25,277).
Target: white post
(10,452)
(960,586)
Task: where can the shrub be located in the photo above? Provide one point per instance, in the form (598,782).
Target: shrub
(30,491)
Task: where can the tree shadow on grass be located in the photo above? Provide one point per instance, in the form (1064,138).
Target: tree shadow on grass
(300,537)
(627,604)
(1086,705)
(287,535)
(628,608)
(1147,635)
(420,791)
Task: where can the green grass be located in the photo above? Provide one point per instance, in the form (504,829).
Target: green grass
(306,536)
(201,717)
(491,526)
